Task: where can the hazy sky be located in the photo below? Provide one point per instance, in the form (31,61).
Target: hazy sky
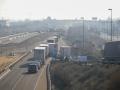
(59,9)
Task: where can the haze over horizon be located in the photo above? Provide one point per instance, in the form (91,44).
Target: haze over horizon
(58,9)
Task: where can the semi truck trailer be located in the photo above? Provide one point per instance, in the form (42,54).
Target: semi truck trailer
(53,49)
(112,52)
(65,51)
(47,48)
(39,54)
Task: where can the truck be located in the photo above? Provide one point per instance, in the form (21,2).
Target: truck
(53,49)
(111,52)
(39,54)
(65,51)
(53,39)
(82,59)
(32,68)
(38,63)
(47,48)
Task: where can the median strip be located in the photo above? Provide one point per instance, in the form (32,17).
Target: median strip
(7,69)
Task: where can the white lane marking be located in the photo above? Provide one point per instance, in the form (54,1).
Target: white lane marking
(39,77)
(17,82)
(4,74)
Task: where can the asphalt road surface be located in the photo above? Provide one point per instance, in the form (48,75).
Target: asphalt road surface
(24,46)
(19,79)
(16,75)
(17,38)
(42,79)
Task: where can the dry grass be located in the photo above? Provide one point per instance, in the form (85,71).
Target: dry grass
(6,60)
(72,76)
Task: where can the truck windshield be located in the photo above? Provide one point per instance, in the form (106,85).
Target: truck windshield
(32,67)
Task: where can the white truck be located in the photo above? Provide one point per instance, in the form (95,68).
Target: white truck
(47,48)
(53,39)
(39,54)
(65,51)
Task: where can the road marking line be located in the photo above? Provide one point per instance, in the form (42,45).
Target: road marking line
(17,82)
(4,74)
(39,77)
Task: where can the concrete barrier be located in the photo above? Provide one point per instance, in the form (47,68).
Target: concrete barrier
(48,78)
(5,70)
(17,60)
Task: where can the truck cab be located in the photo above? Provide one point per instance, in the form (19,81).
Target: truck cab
(32,68)
(38,63)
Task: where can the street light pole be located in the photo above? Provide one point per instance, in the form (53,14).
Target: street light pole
(111,25)
(83,34)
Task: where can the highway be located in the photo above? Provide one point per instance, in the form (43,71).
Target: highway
(17,38)
(19,79)
(42,79)
(25,45)
(17,74)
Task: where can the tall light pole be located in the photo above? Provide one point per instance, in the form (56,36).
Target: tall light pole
(111,24)
(83,33)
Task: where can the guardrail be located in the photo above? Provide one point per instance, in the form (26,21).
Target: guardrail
(12,64)
(17,60)
(48,78)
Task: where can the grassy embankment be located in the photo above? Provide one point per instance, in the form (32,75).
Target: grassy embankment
(73,76)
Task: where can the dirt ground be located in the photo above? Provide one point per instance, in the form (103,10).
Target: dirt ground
(6,60)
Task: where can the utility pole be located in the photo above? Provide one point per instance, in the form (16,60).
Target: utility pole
(107,31)
(83,33)
(111,25)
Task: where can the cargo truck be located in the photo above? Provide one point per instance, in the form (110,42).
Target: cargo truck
(47,48)
(32,68)
(38,63)
(112,52)
(56,40)
(53,49)
(39,54)
(53,39)
(65,51)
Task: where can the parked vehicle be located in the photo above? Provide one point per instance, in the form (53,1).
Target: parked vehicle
(32,68)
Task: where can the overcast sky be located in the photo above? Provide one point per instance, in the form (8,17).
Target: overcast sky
(59,9)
